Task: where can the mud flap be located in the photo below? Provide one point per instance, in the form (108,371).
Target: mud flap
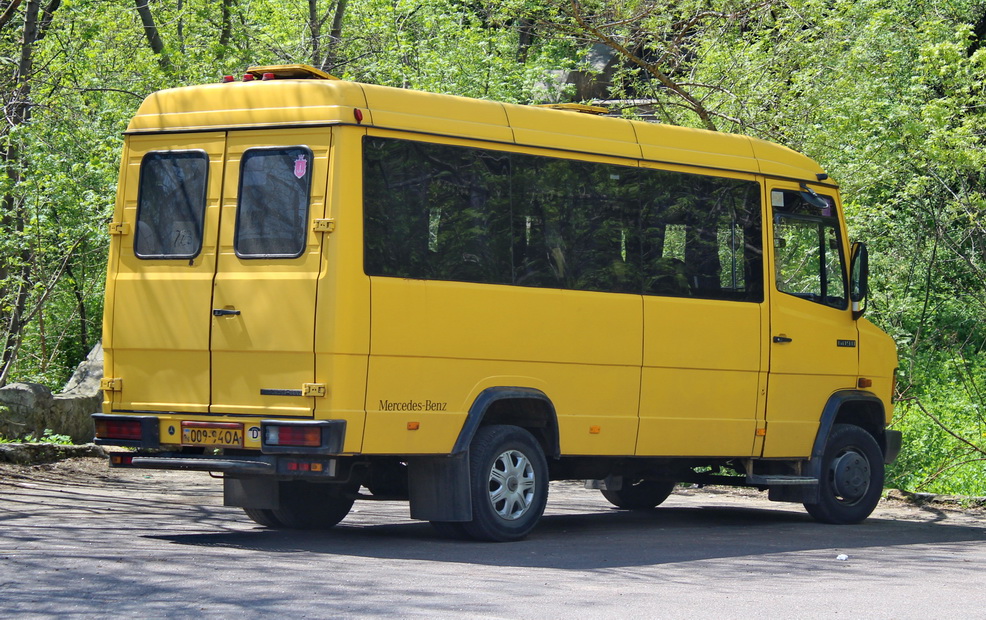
(258,493)
(439,488)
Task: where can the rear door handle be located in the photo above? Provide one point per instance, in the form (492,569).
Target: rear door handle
(782,339)
(224,312)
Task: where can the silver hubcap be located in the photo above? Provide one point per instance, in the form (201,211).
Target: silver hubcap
(512,485)
(851,475)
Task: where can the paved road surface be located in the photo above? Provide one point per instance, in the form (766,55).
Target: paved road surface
(79,540)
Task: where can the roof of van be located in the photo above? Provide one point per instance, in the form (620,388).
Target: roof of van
(300,102)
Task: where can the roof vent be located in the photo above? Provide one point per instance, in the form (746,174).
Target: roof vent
(575,107)
(291,72)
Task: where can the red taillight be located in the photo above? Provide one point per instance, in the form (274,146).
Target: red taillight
(226,79)
(118,429)
(268,76)
(304,436)
(249,77)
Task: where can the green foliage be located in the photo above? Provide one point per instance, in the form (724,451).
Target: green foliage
(944,420)
(886,94)
(47,437)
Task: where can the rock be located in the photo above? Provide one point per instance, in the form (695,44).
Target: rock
(23,409)
(34,453)
(30,408)
(85,380)
(72,416)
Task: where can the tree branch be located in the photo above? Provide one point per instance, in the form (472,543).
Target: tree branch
(8,13)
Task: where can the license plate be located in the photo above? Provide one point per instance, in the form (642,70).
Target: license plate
(214,434)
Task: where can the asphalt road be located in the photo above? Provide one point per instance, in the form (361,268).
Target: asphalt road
(79,540)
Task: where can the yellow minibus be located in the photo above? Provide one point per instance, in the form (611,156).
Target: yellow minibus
(327,291)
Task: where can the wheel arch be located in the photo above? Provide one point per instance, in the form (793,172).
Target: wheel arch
(863,409)
(528,408)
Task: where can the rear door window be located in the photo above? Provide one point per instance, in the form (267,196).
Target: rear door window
(272,213)
(171,204)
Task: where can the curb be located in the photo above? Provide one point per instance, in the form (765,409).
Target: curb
(38,453)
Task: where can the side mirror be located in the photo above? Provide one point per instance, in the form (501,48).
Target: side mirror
(859,278)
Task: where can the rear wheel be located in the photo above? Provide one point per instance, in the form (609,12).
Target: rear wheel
(640,494)
(311,506)
(852,477)
(509,484)
(263,517)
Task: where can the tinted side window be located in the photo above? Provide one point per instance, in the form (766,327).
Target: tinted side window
(445,212)
(808,249)
(274,193)
(701,236)
(436,211)
(171,204)
(573,224)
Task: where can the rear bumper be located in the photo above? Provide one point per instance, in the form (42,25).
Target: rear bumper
(284,466)
(144,432)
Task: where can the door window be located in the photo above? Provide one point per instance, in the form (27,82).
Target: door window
(272,214)
(171,204)
(808,248)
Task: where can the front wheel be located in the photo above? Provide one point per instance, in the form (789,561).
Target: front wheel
(508,482)
(852,477)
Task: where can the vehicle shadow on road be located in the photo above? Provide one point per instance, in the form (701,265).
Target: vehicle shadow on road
(605,538)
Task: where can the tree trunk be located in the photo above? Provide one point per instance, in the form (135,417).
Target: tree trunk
(525,31)
(315,32)
(152,34)
(226,30)
(335,37)
(15,270)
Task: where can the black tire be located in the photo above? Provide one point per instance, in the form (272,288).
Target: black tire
(640,494)
(263,517)
(851,482)
(313,506)
(509,484)
(453,530)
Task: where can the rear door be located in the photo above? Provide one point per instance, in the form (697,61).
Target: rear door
(158,328)
(263,304)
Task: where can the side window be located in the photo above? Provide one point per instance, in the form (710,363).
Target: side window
(436,211)
(274,196)
(474,215)
(443,212)
(701,236)
(808,249)
(171,204)
(573,224)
